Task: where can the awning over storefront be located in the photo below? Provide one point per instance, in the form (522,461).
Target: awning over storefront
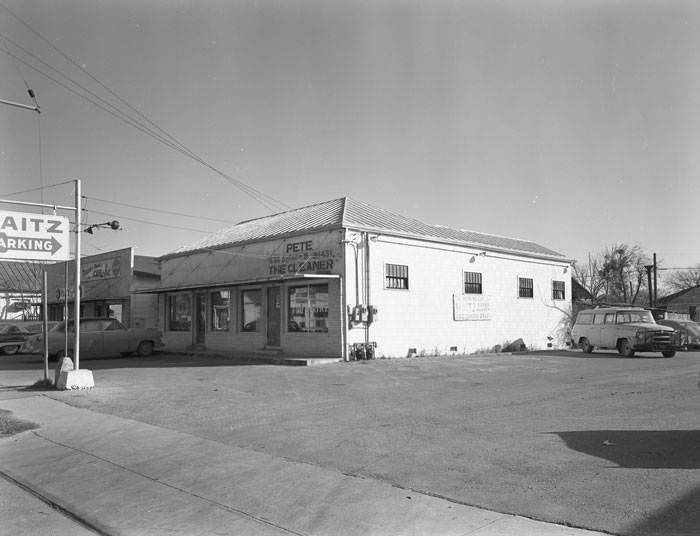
(257,280)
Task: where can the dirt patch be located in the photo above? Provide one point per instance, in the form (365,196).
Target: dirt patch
(11,426)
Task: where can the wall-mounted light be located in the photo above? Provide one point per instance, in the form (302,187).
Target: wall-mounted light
(482,254)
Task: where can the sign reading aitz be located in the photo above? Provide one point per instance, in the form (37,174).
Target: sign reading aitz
(33,236)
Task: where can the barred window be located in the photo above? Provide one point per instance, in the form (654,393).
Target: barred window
(396,276)
(558,290)
(526,287)
(472,282)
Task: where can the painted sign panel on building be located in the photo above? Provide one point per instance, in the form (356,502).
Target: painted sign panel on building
(471,307)
(102,269)
(305,256)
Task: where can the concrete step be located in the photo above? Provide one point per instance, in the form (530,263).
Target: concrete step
(305,361)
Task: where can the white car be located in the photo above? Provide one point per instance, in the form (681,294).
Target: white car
(627,329)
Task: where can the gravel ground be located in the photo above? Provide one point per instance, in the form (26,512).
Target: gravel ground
(598,441)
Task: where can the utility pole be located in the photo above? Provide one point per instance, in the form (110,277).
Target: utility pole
(649,268)
(655,280)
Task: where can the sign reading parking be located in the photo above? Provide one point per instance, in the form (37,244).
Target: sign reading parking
(28,236)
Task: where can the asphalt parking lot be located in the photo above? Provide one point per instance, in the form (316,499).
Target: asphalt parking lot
(595,441)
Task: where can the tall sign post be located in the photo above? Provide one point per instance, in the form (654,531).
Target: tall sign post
(31,236)
(76,314)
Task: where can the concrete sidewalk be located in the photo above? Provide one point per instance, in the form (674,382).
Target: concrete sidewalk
(121,476)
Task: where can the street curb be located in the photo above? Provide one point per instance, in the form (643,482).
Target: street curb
(54,503)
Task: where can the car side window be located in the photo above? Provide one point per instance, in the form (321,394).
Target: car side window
(598,318)
(610,318)
(585,318)
(91,325)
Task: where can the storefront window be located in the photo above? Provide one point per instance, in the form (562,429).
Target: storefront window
(180,312)
(308,309)
(220,310)
(250,310)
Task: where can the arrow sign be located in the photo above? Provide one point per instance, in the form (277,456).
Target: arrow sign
(29,236)
(17,243)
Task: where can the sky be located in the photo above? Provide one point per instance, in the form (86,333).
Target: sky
(573,124)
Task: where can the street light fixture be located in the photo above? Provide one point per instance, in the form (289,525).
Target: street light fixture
(114,225)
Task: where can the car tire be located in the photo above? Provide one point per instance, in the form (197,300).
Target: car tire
(145,349)
(10,350)
(586,346)
(668,353)
(625,348)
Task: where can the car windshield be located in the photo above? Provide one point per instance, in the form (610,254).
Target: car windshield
(625,317)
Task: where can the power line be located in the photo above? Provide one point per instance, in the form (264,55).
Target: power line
(151,209)
(39,188)
(119,114)
(266,200)
(150,222)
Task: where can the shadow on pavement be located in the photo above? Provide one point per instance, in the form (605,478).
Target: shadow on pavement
(650,449)
(679,518)
(32,361)
(597,354)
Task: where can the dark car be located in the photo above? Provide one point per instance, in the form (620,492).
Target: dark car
(12,337)
(690,332)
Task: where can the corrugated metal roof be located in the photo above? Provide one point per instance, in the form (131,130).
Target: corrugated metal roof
(298,221)
(20,276)
(350,214)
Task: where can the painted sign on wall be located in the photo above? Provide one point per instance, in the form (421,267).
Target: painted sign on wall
(102,269)
(302,257)
(471,307)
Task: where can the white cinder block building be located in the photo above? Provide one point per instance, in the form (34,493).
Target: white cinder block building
(319,279)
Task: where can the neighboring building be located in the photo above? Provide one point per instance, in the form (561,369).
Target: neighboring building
(680,304)
(109,287)
(316,280)
(579,293)
(20,290)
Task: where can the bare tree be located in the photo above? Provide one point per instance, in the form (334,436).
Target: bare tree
(683,279)
(623,271)
(588,275)
(615,275)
